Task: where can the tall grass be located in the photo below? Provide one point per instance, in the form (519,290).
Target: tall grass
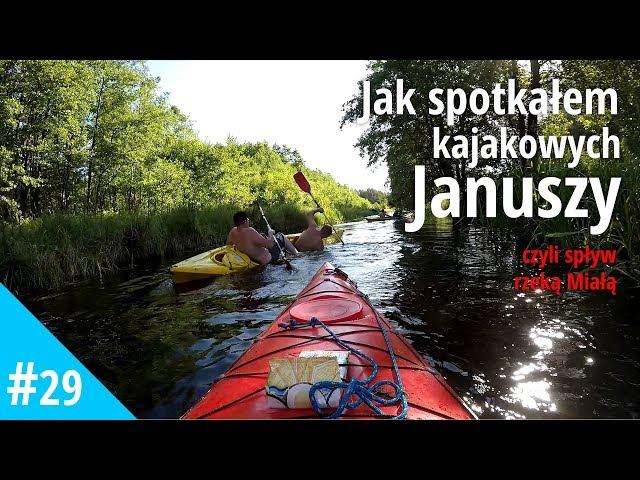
(48,252)
(623,232)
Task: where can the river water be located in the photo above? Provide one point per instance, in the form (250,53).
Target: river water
(508,354)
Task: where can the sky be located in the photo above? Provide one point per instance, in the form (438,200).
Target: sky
(293,103)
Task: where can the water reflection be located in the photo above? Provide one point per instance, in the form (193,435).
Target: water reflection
(449,291)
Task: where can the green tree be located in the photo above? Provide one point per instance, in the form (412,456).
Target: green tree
(374,196)
(403,141)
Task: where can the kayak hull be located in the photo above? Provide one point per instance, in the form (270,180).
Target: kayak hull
(219,261)
(224,261)
(378,219)
(334,299)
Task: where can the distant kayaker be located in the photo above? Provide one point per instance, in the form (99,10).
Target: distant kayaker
(260,249)
(383,214)
(311,239)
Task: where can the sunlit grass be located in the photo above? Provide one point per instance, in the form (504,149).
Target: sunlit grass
(47,252)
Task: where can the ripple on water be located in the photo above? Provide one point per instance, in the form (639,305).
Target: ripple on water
(532,355)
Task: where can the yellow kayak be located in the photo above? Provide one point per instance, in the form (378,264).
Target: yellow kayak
(225,260)
(379,219)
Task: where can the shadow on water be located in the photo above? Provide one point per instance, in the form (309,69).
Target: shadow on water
(510,355)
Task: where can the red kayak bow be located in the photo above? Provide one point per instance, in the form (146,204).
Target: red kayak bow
(334,300)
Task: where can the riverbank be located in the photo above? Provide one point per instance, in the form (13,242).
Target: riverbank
(49,252)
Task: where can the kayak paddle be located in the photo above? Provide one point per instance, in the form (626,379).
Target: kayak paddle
(305,187)
(286,261)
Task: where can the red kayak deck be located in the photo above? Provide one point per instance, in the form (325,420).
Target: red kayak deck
(336,301)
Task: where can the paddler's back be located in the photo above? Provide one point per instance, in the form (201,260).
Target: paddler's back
(251,243)
(310,240)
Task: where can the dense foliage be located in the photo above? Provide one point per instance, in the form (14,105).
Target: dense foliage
(97,168)
(403,141)
(375,196)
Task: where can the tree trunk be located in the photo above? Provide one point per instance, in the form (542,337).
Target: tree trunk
(96,124)
(522,129)
(532,119)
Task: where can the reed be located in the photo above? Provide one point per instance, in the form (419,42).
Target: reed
(48,252)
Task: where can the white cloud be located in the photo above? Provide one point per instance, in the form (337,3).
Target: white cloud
(295,103)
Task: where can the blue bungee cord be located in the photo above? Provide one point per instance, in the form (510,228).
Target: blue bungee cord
(365,393)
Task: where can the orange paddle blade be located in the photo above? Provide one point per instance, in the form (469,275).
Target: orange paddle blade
(302,182)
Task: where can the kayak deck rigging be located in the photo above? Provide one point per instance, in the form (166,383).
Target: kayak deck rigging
(240,392)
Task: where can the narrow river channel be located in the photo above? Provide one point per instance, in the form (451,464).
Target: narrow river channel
(508,354)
